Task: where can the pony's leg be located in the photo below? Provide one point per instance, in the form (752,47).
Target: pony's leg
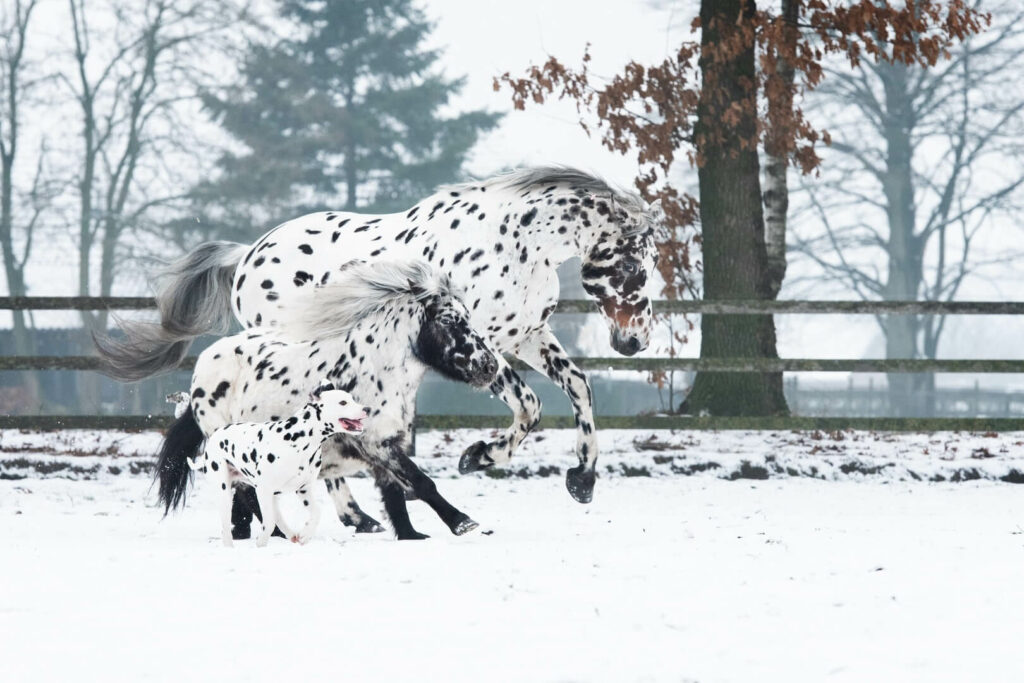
(335,461)
(393,495)
(542,352)
(393,458)
(244,506)
(348,509)
(266,501)
(514,392)
(311,503)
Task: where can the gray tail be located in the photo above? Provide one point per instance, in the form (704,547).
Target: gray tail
(194,298)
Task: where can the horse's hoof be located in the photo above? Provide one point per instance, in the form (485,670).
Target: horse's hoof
(464,526)
(241,533)
(411,535)
(475,458)
(368,525)
(580,483)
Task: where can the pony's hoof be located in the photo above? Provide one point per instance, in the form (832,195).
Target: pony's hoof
(411,535)
(580,483)
(464,526)
(240,532)
(369,525)
(475,458)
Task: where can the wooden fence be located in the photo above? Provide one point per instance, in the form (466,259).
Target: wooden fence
(877,308)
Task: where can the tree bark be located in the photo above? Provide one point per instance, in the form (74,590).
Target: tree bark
(732,225)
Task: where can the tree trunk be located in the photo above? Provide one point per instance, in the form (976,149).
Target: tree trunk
(777,150)
(732,225)
(905,248)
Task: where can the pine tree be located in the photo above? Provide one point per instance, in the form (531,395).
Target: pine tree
(346,114)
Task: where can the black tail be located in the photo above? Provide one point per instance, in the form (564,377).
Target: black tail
(181,442)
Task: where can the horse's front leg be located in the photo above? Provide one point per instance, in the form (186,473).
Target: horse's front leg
(336,463)
(395,473)
(517,395)
(544,353)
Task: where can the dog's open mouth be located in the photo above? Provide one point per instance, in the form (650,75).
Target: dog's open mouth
(354,426)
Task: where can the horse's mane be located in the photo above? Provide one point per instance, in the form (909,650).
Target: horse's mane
(546,176)
(362,289)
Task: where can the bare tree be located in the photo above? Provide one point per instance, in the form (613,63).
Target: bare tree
(915,176)
(16,234)
(132,86)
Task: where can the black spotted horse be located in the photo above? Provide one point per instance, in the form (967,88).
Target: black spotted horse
(278,457)
(501,240)
(372,331)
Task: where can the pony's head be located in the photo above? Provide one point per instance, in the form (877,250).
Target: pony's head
(408,296)
(617,264)
(449,344)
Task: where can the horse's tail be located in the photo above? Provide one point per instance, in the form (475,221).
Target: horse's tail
(194,298)
(173,471)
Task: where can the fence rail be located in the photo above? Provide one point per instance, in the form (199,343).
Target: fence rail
(643,364)
(737,307)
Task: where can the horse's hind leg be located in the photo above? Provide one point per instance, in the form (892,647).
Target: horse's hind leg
(348,509)
(335,462)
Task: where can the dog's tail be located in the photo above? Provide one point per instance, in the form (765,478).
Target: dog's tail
(194,298)
(173,469)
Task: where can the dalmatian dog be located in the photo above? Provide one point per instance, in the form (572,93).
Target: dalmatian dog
(278,457)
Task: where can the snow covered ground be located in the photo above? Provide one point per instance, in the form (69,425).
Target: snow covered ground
(849,574)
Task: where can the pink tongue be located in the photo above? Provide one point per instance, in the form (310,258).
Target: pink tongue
(351,424)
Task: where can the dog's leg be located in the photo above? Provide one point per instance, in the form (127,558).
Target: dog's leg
(310,502)
(281,524)
(226,497)
(266,501)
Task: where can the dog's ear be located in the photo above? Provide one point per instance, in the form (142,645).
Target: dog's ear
(325,385)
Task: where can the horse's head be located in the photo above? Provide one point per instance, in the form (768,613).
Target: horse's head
(449,344)
(616,267)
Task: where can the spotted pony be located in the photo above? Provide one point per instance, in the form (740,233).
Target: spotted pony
(373,332)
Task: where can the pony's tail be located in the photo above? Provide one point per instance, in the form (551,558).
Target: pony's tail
(194,298)
(173,471)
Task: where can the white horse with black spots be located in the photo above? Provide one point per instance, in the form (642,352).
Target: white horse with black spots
(373,332)
(501,240)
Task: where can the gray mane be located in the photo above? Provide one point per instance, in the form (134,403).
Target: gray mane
(545,176)
(361,290)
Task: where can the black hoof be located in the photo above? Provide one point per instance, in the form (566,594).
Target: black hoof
(580,483)
(410,535)
(241,533)
(368,525)
(475,458)
(464,526)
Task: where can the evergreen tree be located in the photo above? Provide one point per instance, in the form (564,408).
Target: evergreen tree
(346,114)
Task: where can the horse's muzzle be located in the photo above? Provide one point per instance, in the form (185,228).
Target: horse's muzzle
(626,345)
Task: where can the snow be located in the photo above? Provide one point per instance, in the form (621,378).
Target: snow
(838,576)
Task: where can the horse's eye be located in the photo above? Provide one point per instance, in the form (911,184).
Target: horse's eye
(631,267)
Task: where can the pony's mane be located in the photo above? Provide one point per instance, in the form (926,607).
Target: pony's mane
(362,289)
(546,176)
